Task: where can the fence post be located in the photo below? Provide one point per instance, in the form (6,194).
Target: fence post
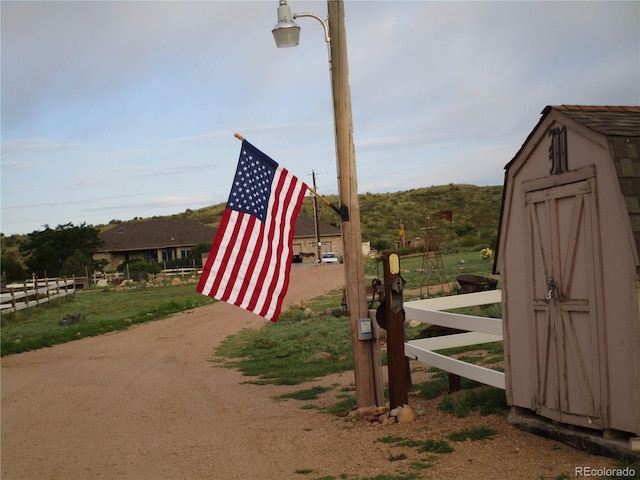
(13,299)
(26,294)
(46,285)
(394,313)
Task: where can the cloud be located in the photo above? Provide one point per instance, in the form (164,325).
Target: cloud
(102,99)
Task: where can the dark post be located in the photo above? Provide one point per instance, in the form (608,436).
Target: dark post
(397,364)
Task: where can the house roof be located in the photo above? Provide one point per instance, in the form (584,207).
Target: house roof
(181,232)
(306,227)
(154,234)
(610,121)
(621,127)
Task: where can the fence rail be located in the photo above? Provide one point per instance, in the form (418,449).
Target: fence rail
(18,296)
(182,271)
(480,330)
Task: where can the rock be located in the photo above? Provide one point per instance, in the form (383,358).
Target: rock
(176,281)
(407,415)
(371,418)
(364,412)
(71,319)
(326,356)
(381,410)
(102,283)
(395,411)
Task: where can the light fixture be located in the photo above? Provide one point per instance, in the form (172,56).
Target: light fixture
(286,32)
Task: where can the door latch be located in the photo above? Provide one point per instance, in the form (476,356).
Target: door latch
(552,286)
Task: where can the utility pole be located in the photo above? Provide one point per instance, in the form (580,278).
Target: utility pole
(315,216)
(348,189)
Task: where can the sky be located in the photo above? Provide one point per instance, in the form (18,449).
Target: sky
(112,110)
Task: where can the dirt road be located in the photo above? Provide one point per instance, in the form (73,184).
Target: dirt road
(148,403)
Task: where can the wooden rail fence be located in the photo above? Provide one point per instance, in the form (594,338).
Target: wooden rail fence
(35,292)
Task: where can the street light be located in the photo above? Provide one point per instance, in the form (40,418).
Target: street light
(368,378)
(287,32)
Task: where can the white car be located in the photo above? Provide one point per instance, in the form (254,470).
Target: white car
(329,257)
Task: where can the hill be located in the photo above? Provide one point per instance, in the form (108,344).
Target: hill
(476,213)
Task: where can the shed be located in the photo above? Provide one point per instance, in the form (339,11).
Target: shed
(568,255)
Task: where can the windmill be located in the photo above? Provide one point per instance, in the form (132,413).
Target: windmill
(432,264)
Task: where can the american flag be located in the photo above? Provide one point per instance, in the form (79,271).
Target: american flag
(250,259)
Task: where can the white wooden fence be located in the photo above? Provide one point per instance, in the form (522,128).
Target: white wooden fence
(35,292)
(480,330)
(183,271)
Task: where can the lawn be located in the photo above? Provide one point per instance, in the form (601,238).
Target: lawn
(109,309)
(104,310)
(413,267)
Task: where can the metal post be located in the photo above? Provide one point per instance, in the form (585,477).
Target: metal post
(394,315)
(315,216)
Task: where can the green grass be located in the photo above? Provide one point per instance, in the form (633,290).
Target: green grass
(345,404)
(281,353)
(306,394)
(105,310)
(432,446)
(472,433)
(485,400)
(422,446)
(390,439)
(462,263)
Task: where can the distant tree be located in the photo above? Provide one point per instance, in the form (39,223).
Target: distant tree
(381,244)
(138,269)
(198,250)
(12,267)
(49,251)
(78,263)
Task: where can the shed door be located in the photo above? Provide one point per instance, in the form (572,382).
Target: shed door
(565,260)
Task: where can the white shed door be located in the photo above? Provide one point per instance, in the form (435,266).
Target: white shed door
(565,261)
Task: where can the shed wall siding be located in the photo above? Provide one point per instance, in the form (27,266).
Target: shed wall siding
(618,307)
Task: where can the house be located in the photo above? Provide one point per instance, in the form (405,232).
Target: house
(165,239)
(156,240)
(569,257)
(305,242)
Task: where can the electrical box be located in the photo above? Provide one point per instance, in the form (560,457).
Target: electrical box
(365,329)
